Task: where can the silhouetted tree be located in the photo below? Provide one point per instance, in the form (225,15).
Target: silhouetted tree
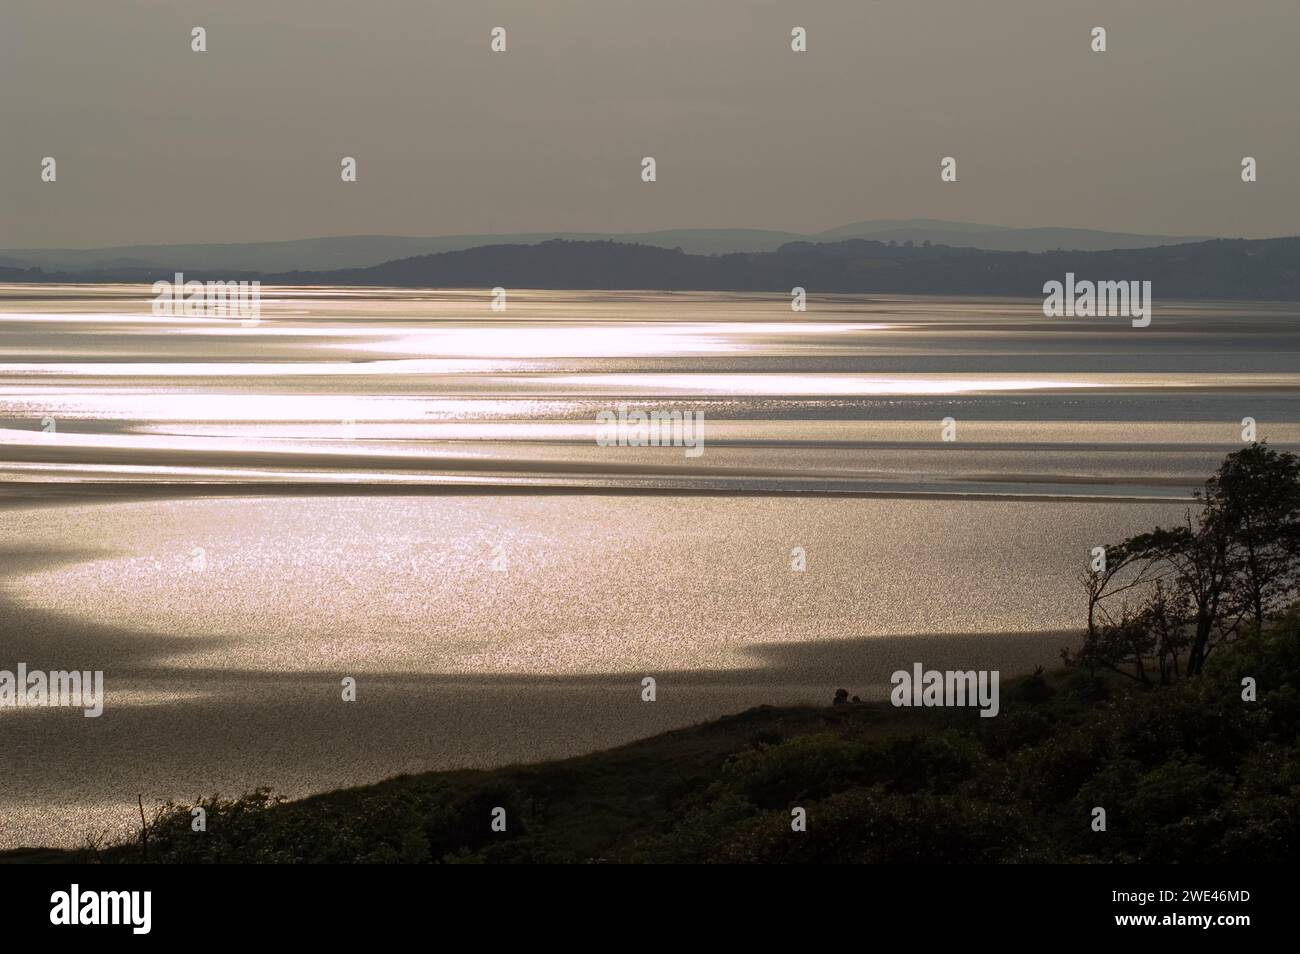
(1256,497)
(1190,589)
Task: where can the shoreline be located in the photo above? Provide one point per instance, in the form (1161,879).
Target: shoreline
(730,697)
(15,495)
(227,677)
(320,747)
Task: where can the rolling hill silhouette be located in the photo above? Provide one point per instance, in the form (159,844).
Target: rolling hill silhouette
(1254,269)
(1260,269)
(361,251)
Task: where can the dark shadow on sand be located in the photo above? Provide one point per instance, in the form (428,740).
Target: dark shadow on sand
(189,732)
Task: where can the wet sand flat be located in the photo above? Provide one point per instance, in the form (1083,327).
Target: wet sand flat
(407,488)
(224,627)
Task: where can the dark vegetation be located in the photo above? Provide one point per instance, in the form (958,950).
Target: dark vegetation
(1166,600)
(1152,719)
(1260,269)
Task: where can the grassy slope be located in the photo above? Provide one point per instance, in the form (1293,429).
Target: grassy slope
(1188,773)
(576,808)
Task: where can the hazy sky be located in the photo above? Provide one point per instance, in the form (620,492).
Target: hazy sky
(156,143)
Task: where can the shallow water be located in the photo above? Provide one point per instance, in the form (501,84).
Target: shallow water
(224,627)
(374,387)
(407,489)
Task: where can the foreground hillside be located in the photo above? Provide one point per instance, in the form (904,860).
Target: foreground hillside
(1186,773)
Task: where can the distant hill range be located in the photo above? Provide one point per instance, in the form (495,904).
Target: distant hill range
(1261,269)
(361,251)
